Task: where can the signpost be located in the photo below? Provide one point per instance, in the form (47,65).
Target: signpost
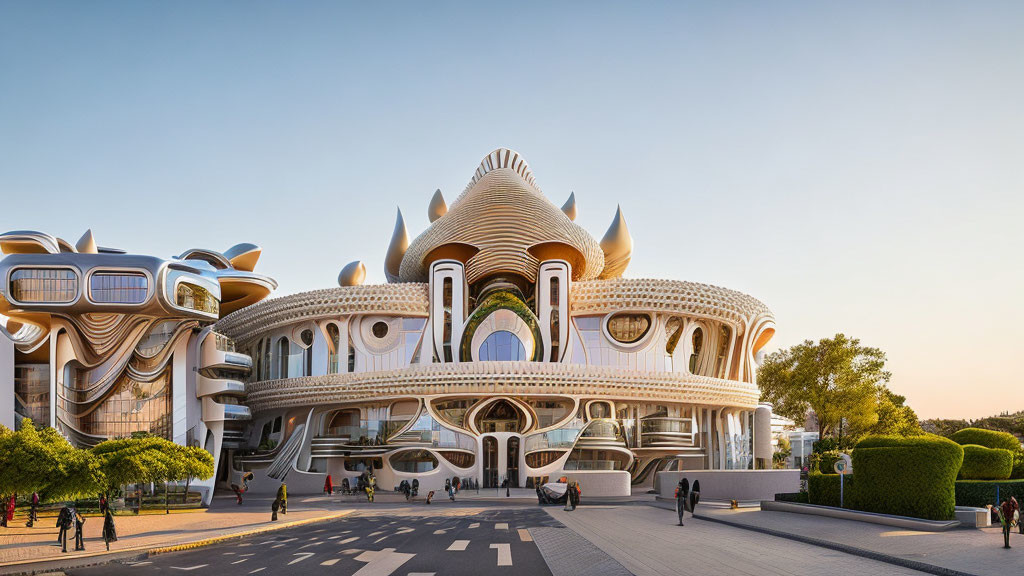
(842,466)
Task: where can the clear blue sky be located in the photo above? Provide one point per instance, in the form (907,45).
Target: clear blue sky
(857,166)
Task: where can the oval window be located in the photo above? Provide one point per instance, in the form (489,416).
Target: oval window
(379,329)
(629,328)
(502,345)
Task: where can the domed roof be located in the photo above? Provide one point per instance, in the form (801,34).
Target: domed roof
(503,224)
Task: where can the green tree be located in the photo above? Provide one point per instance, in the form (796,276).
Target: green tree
(138,459)
(895,418)
(782,452)
(836,377)
(195,463)
(41,460)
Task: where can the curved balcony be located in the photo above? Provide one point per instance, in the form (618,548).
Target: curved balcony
(660,431)
(219,354)
(219,387)
(560,439)
(214,411)
(330,446)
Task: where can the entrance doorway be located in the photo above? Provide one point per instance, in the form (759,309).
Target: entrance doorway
(513,461)
(490,479)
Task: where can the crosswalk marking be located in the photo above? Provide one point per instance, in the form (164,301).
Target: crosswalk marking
(351,551)
(381,563)
(240,561)
(436,532)
(501,526)
(349,539)
(377,533)
(504,553)
(459,545)
(139,563)
(258,570)
(330,562)
(190,567)
(524,535)
(404,530)
(304,556)
(474,525)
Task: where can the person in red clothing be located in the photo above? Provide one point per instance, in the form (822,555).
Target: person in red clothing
(328,485)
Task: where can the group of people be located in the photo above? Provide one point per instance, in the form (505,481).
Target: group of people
(69,517)
(280,502)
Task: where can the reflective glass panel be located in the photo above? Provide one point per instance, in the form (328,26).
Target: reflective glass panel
(55,285)
(502,346)
(118,287)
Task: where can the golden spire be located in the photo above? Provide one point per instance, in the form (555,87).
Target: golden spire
(617,245)
(437,206)
(86,244)
(396,250)
(570,206)
(353,274)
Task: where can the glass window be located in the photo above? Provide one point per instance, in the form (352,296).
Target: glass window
(197,298)
(502,345)
(413,461)
(307,361)
(32,393)
(379,329)
(52,285)
(283,348)
(673,329)
(698,343)
(118,287)
(333,342)
(157,337)
(629,328)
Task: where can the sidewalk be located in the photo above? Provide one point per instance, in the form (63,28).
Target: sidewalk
(965,550)
(20,545)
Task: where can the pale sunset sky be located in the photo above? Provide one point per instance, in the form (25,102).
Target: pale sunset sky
(857,166)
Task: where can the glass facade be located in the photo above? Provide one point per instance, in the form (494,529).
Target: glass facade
(157,337)
(502,345)
(132,407)
(629,328)
(118,287)
(196,298)
(32,393)
(45,285)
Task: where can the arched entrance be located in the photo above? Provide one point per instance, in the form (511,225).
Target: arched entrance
(512,460)
(500,416)
(490,462)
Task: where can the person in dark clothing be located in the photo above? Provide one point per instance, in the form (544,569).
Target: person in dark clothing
(32,517)
(109,531)
(103,504)
(282,495)
(274,507)
(79,531)
(64,522)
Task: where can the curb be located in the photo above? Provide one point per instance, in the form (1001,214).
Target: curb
(846,548)
(141,552)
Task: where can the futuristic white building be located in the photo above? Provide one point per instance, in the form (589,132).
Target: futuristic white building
(506,345)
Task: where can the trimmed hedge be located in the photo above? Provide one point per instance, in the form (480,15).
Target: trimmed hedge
(982,463)
(823,489)
(907,476)
(798,497)
(986,438)
(979,493)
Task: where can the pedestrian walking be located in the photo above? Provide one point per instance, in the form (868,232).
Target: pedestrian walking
(109,530)
(103,504)
(274,507)
(9,510)
(64,522)
(282,495)
(32,517)
(328,485)
(79,531)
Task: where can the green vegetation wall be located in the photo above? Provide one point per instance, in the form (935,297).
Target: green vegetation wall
(982,463)
(907,476)
(978,493)
(986,438)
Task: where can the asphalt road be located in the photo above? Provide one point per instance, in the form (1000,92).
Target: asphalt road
(369,543)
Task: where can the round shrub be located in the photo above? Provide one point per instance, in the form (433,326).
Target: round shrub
(986,438)
(907,476)
(982,463)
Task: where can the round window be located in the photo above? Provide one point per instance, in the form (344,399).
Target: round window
(380,329)
(629,328)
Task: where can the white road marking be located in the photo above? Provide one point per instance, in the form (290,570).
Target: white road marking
(381,539)
(240,561)
(140,563)
(351,551)
(249,554)
(377,533)
(381,563)
(305,556)
(228,553)
(459,545)
(190,567)
(310,544)
(404,531)
(349,539)
(504,553)
(334,537)
(474,525)
(330,562)
(524,535)
(436,532)
(421,573)
(501,526)
(288,539)
(258,570)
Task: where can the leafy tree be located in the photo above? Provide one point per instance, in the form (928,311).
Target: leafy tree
(41,460)
(134,460)
(782,451)
(895,418)
(195,463)
(836,377)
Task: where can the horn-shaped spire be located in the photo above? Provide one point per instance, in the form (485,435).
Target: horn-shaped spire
(243,256)
(396,250)
(353,274)
(437,206)
(87,244)
(570,206)
(617,245)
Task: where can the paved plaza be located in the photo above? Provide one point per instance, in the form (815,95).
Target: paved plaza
(489,535)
